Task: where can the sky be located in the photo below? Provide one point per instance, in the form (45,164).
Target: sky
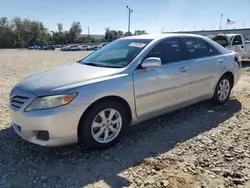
(153,16)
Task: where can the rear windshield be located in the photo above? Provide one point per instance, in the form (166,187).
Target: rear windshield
(223,40)
(116,54)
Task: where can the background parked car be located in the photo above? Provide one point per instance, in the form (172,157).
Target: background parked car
(31,48)
(66,48)
(49,47)
(234,42)
(90,47)
(35,47)
(84,47)
(75,48)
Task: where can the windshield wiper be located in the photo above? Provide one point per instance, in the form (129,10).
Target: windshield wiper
(90,64)
(97,64)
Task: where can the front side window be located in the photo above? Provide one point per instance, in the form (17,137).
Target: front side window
(116,54)
(196,48)
(237,40)
(169,50)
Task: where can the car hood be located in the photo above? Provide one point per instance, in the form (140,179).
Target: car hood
(50,81)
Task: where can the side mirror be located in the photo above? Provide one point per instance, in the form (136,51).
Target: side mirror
(151,62)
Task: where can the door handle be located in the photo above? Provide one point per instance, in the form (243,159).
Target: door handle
(242,46)
(183,69)
(220,61)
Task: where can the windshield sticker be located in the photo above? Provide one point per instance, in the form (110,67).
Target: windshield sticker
(138,45)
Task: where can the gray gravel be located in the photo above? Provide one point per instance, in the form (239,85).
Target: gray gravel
(199,146)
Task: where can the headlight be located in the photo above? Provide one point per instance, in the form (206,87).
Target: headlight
(50,101)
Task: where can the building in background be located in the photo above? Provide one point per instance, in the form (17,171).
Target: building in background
(244,32)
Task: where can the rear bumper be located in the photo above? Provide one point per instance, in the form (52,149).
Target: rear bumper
(237,74)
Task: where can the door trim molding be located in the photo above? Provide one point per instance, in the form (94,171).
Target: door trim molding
(200,80)
(161,91)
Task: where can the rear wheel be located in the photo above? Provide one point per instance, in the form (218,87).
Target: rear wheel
(104,125)
(223,90)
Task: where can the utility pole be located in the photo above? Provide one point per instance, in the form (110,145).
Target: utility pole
(88,30)
(244,23)
(162,29)
(129,12)
(221,16)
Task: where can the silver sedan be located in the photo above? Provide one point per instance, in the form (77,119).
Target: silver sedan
(96,99)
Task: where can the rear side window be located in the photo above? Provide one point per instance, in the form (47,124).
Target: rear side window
(237,40)
(196,48)
(169,50)
(213,51)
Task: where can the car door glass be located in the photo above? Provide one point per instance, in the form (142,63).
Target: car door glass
(237,40)
(169,50)
(213,51)
(196,48)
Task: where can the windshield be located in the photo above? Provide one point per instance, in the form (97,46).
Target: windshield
(116,54)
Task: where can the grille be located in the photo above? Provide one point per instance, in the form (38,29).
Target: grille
(17,101)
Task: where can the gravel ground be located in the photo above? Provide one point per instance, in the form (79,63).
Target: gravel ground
(199,146)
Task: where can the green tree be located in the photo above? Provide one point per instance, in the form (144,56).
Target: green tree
(111,35)
(128,34)
(6,33)
(74,31)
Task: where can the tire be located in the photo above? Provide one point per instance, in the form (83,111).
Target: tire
(217,98)
(86,131)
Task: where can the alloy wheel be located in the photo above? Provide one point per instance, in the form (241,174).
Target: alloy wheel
(223,89)
(106,126)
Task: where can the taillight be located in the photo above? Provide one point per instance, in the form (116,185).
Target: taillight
(237,58)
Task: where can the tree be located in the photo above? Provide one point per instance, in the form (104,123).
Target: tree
(6,33)
(140,32)
(60,27)
(111,35)
(74,31)
(120,33)
(128,34)
(19,32)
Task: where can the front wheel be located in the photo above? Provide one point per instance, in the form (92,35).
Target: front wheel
(223,90)
(105,124)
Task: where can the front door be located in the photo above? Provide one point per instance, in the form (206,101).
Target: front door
(238,46)
(166,86)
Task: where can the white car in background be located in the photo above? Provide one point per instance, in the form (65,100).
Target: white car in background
(234,42)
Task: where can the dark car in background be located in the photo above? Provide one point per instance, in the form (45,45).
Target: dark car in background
(35,47)
(49,47)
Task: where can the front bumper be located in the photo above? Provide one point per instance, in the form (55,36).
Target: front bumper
(61,123)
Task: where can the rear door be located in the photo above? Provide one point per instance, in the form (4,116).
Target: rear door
(206,63)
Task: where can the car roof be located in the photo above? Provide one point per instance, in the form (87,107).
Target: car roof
(162,36)
(159,36)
